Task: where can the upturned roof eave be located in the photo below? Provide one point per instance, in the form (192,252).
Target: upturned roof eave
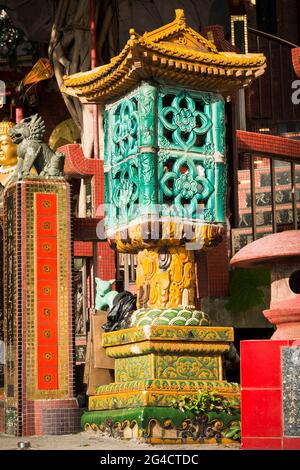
(236,77)
(226,60)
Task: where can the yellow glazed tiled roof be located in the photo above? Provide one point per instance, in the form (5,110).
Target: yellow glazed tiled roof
(173,54)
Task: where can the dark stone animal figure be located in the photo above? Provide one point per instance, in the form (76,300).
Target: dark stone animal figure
(120,314)
(231,364)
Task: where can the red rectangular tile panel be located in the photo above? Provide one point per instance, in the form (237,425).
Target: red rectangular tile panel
(291,443)
(47,286)
(261,443)
(47,268)
(212,282)
(83,249)
(47,334)
(106,266)
(261,413)
(46,204)
(261,363)
(46,289)
(77,165)
(46,226)
(47,378)
(46,311)
(49,354)
(47,247)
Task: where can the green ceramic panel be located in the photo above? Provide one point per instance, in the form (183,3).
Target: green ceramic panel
(184,183)
(147,103)
(163,146)
(147,164)
(184,120)
(221,185)
(187,367)
(106,137)
(124,130)
(219,125)
(133,368)
(125,190)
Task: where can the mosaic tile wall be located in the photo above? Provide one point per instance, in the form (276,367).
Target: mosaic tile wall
(39,330)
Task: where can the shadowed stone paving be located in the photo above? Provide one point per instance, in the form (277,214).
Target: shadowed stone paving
(93,441)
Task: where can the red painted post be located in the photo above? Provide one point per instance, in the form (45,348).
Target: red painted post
(93,65)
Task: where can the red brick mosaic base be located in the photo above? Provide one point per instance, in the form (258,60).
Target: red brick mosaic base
(51,417)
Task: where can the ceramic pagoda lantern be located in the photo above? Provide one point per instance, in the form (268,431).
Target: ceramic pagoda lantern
(165,185)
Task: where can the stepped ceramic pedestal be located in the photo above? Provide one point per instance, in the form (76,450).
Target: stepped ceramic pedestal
(155,366)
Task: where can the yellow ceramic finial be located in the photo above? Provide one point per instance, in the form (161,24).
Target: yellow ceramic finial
(132,33)
(180,15)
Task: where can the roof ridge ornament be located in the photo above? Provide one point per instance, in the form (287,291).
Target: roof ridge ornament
(133,35)
(180,16)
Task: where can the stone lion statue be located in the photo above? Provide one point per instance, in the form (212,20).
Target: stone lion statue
(33,151)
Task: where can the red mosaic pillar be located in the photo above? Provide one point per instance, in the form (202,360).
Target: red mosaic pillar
(38,322)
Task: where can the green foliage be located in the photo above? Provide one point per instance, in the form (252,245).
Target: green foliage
(213,408)
(205,402)
(234,431)
(244,289)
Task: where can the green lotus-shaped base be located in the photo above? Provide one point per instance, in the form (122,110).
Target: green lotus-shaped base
(178,316)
